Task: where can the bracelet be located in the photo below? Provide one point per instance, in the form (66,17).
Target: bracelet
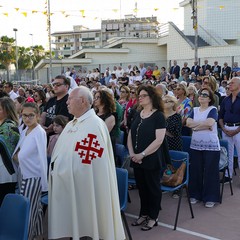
(144,154)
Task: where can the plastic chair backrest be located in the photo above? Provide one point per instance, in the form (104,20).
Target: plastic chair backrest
(186,140)
(122,181)
(14,217)
(120,138)
(224,143)
(177,157)
(121,152)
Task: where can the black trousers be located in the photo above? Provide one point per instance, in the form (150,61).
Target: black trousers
(204,175)
(148,184)
(6,188)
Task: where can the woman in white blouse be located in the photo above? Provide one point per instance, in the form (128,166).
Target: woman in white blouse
(205,151)
(31,154)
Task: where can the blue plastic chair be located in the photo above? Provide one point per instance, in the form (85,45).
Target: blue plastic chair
(186,141)
(120,138)
(122,181)
(14,217)
(177,158)
(121,153)
(224,143)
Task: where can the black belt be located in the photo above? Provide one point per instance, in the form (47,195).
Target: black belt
(232,124)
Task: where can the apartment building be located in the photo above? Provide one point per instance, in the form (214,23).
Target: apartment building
(69,42)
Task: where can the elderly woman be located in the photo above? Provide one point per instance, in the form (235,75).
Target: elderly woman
(205,151)
(184,106)
(192,94)
(210,82)
(173,123)
(9,136)
(146,148)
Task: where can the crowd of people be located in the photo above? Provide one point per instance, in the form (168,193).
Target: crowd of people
(43,126)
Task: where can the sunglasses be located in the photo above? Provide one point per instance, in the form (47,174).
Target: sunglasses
(57,84)
(132,92)
(204,95)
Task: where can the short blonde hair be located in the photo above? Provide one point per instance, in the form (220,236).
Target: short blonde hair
(184,87)
(173,99)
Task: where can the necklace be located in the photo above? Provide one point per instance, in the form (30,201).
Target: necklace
(145,115)
(136,143)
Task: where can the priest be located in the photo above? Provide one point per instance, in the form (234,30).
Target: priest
(83,193)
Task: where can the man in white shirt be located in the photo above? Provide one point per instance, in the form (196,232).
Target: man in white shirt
(8,88)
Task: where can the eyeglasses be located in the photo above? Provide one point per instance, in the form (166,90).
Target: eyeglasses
(132,92)
(58,84)
(204,95)
(167,101)
(30,116)
(96,98)
(143,95)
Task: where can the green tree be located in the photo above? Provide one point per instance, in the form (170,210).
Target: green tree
(7,54)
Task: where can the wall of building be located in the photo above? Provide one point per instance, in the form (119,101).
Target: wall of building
(218,17)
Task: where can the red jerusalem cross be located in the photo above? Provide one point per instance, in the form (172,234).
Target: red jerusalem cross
(88,149)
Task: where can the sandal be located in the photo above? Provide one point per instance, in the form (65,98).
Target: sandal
(141,220)
(150,224)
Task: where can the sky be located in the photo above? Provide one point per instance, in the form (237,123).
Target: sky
(28,17)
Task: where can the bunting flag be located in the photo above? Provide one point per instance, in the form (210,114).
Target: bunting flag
(24,14)
(221,7)
(156,9)
(34,11)
(82,12)
(5,14)
(115,10)
(16,9)
(63,12)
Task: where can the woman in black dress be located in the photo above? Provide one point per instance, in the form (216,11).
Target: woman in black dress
(173,123)
(146,150)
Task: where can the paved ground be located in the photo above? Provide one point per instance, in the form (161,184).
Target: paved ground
(221,222)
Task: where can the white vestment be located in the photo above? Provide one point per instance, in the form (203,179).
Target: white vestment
(83,193)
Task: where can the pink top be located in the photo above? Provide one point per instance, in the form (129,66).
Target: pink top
(52,141)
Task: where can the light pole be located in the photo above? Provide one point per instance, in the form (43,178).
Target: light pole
(16,51)
(32,55)
(195,27)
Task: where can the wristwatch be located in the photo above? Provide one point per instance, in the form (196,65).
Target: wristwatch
(144,154)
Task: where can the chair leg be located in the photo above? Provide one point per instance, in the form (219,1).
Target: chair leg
(178,208)
(230,183)
(189,203)
(129,199)
(223,180)
(126,225)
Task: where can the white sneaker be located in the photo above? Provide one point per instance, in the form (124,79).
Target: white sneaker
(209,204)
(193,200)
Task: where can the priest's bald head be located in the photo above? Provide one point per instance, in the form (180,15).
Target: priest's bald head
(79,101)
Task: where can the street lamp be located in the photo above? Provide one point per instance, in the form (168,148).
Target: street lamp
(32,55)
(16,51)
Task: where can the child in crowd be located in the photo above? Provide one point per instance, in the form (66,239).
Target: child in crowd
(59,122)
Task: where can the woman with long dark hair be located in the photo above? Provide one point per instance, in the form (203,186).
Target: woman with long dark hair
(146,148)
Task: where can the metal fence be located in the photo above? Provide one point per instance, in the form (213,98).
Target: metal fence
(17,76)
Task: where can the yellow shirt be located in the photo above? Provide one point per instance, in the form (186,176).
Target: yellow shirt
(156,73)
